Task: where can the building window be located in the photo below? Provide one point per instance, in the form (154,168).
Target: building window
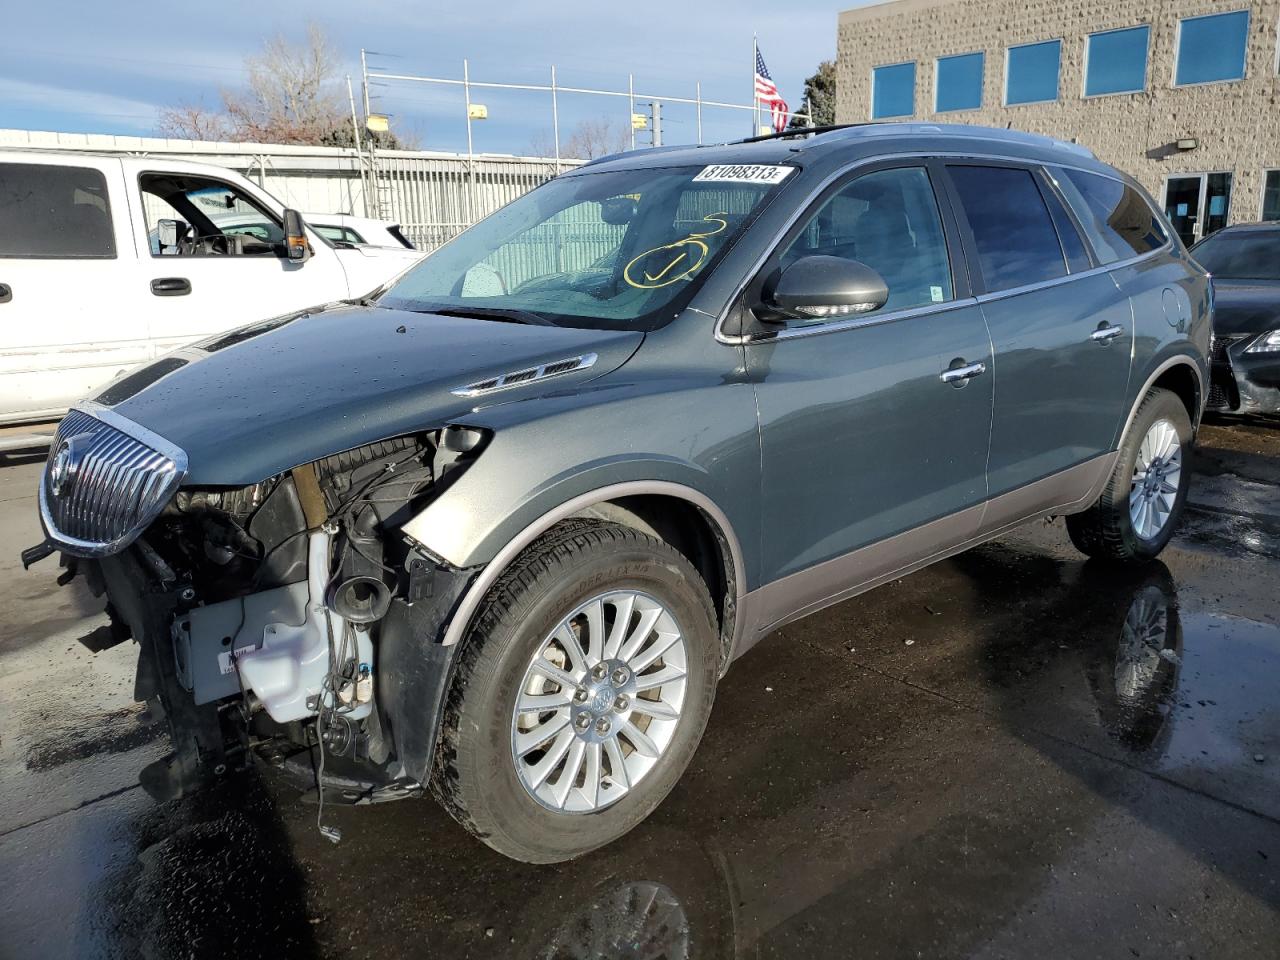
(1031,72)
(957,82)
(1271,196)
(1211,49)
(1116,61)
(893,91)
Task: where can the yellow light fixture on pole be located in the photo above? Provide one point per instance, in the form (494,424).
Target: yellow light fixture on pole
(477,111)
(639,121)
(377,123)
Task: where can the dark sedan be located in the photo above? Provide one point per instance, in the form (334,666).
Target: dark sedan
(1245,263)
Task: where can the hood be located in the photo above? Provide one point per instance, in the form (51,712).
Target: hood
(254,402)
(1245,306)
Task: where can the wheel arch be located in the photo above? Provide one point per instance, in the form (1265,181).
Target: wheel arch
(1180,375)
(679,515)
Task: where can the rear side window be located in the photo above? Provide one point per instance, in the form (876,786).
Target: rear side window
(1117,218)
(54,213)
(1013,234)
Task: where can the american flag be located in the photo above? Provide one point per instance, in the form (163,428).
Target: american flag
(767,94)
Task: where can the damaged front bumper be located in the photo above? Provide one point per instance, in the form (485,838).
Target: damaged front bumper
(1243,381)
(289,620)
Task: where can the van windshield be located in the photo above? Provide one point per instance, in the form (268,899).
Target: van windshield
(619,250)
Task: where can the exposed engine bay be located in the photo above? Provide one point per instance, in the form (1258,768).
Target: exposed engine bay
(292,620)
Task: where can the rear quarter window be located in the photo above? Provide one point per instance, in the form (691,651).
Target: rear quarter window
(54,212)
(1117,219)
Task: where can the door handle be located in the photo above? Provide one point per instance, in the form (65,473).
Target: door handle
(959,376)
(6,293)
(1105,335)
(171,286)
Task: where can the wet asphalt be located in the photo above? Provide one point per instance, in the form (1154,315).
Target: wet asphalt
(1014,753)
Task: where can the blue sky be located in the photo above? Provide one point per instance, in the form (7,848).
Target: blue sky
(109,67)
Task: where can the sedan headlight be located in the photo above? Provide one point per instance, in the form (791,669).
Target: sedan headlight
(1267,343)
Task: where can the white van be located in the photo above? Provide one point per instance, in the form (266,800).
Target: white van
(108,261)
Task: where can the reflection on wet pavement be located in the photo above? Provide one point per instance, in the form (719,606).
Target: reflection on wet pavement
(1014,753)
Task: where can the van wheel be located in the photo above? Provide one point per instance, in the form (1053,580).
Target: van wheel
(1140,507)
(581,694)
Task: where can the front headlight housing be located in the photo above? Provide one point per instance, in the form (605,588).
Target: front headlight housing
(1267,343)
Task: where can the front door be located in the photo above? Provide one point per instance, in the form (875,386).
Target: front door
(223,262)
(1197,204)
(862,438)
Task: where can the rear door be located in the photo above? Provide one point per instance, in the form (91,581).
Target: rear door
(228,266)
(69,313)
(871,460)
(1062,333)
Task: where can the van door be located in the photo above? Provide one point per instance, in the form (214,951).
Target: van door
(214,258)
(69,320)
(873,429)
(1062,334)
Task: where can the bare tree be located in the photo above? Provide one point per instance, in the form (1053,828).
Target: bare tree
(193,122)
(589,139)
(292,94)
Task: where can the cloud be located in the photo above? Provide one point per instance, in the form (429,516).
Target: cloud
(21,96)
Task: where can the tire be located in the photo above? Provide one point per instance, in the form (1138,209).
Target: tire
(1107,529)
(489,780)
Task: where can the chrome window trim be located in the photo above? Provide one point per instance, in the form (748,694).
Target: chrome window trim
(93,549)
(803,206)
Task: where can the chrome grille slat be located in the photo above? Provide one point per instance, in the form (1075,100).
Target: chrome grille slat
(116,478)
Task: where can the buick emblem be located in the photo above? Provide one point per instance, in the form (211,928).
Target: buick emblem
(62,468)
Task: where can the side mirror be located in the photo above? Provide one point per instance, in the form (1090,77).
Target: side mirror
(820,287)
(169,233)
(296,245)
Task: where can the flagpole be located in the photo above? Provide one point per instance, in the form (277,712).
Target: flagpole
(755,100)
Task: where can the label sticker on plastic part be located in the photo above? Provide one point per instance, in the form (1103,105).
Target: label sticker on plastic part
(744,173)
(935,294)
(225,665)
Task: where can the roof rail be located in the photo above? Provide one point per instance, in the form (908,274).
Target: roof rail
(799,132)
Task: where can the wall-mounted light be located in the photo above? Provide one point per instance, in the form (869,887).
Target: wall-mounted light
(1187,143)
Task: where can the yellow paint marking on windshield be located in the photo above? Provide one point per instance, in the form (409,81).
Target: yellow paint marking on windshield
(669,255)
(671,266)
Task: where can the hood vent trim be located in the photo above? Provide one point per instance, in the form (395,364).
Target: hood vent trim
(526,375)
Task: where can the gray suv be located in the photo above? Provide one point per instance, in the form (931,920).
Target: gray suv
(497,530)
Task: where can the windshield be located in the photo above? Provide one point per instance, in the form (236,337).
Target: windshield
(622,250)
(1245,255)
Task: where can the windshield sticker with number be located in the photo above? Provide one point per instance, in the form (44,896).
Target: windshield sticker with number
(743,173)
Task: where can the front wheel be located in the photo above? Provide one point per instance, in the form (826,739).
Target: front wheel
(581,694)
(1139,509)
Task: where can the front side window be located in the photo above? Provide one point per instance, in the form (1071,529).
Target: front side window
(1117,219)
(1211,49)
(196,216)
(889,221)
(1013,234)
(1116,61)
(1241,255)
(54,213)
(619,250)
(1032,72)
(893,91)
(958,83)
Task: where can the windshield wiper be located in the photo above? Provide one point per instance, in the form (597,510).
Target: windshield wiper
(491,313)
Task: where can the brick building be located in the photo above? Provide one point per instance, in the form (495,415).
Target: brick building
(1182,94)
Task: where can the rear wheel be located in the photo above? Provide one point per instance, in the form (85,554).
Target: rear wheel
(1138,511)
(581,695)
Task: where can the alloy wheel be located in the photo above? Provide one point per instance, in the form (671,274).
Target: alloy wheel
(600,702)
(1157,472)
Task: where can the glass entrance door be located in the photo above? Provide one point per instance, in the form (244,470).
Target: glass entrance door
(1197,204)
